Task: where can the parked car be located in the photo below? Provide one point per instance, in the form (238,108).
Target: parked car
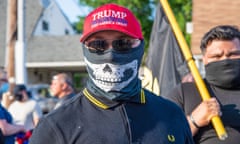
(41,93)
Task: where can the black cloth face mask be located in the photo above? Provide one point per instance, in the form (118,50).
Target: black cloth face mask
(224,74)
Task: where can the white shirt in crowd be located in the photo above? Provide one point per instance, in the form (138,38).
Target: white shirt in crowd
(25,113)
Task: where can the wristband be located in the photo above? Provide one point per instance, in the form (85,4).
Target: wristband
(193,122)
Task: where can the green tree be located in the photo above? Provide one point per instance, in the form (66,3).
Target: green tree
(182,10)
(144,10)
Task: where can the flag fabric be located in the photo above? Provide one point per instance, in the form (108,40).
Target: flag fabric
(164,58)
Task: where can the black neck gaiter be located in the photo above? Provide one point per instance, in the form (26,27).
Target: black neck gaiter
(224,74)
(114,74)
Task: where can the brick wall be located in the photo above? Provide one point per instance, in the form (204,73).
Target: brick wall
(209,13)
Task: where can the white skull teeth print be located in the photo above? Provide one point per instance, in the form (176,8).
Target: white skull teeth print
(110,77)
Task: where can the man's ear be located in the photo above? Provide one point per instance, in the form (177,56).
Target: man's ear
(204,59)
(64,86)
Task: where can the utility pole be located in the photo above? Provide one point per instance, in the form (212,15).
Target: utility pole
(10,45)
(20,54)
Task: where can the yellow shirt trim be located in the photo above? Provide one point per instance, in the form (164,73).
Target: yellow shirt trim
(94,100)
(102,105)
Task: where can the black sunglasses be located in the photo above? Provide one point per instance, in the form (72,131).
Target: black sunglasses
(121,45)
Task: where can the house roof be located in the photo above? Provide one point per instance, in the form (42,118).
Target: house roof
(41,49)
(33,12)
(63,48)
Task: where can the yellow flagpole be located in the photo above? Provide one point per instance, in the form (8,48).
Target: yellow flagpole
(216,121)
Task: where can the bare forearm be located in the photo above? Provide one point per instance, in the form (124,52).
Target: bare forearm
(10,129)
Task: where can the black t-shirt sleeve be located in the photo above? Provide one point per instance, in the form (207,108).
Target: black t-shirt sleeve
(44,133)
(186,96)
(176,96)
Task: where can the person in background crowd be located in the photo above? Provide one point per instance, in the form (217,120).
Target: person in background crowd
(4,86)
(5,97)
(8,129)
(221,56)
(24,110)
(62,88)
(113,108)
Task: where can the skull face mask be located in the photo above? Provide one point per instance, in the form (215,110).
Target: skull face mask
(114,74)
(111,77)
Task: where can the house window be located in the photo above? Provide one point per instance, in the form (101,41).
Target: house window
(66,31)
(45,26)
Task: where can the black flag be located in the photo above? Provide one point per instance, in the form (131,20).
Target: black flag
(165,64)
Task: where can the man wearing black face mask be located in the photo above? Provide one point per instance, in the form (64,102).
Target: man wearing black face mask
(113,109)
(221,56)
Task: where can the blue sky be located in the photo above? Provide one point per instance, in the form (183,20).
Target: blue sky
(72,9)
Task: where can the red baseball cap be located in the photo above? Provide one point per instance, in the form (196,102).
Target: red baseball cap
(111,17)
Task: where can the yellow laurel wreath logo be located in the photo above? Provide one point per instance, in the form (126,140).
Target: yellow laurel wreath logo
(171,138)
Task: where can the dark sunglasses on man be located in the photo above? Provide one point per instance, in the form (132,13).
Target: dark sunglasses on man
(120,45)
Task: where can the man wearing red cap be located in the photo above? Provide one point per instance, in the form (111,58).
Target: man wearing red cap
(113,108)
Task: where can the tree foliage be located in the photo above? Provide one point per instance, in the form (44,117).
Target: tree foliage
(182,10)
(144,10)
